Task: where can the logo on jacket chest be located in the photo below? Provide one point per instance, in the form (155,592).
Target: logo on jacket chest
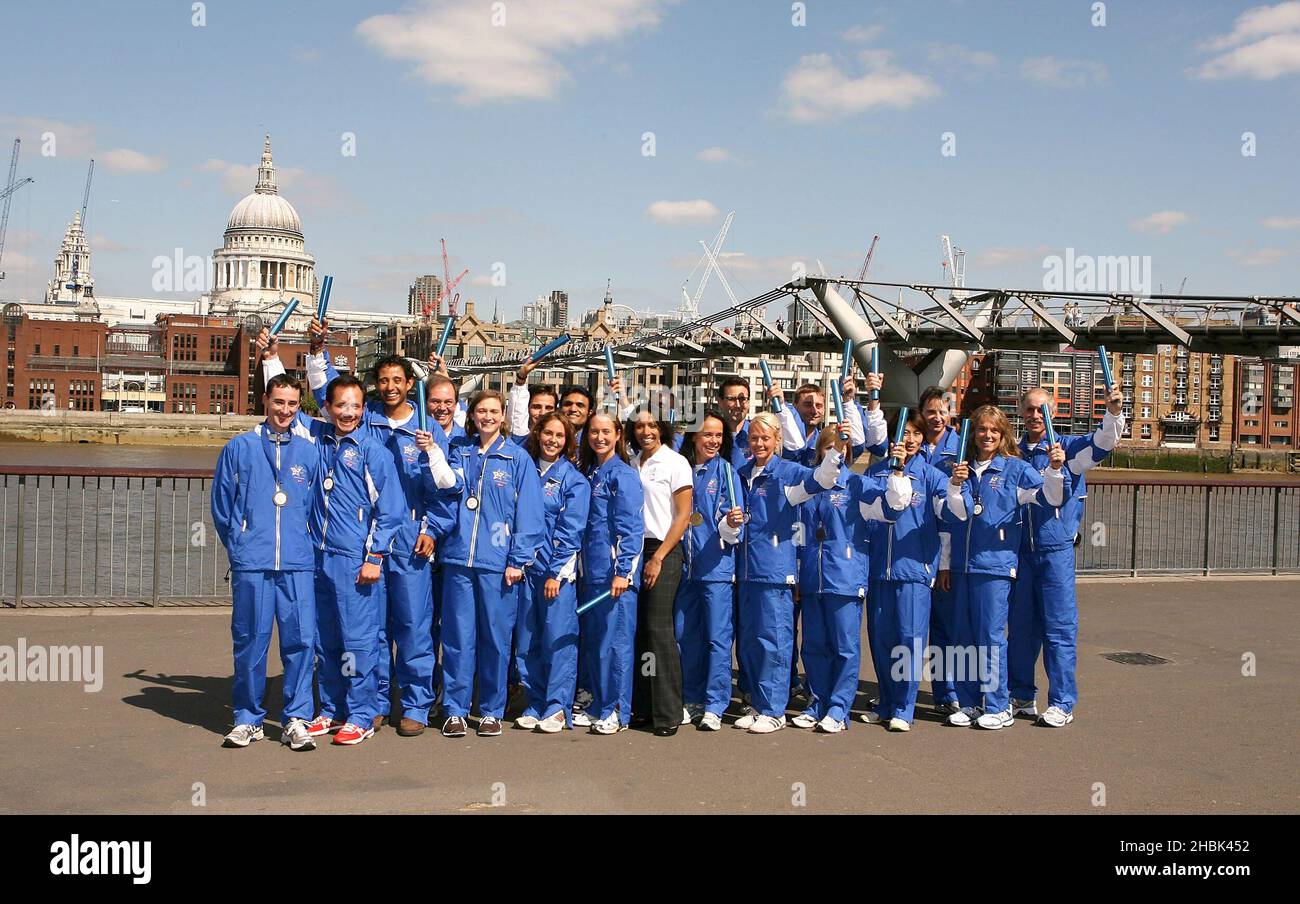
(839,500)
(410,452)
(500,478)
(917,500)
(994,482)
(298,473)
(350,457)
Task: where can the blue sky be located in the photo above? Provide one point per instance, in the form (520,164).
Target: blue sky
(521,143)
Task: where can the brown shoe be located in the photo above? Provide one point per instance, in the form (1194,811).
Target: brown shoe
(489,727)
(454,727)
(409,728)
(378,723)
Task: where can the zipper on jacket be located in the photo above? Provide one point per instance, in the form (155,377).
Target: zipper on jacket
(277,512)
(325,524)
(473,537)
(889,555)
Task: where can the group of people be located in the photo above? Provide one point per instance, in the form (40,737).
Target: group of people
(607,565)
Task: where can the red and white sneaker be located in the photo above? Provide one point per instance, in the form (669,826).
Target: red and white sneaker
(350,734)
(323,725)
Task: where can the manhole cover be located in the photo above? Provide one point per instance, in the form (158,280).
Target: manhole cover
(1134,658)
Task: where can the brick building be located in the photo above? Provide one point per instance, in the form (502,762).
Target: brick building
(1265,416)
(182,363)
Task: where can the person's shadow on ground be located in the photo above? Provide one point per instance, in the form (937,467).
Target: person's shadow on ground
(199,700)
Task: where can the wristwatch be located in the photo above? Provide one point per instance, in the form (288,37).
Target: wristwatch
(374,558)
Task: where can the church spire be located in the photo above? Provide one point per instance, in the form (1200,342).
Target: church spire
(266,171)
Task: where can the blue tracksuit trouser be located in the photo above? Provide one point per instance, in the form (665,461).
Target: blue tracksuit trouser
(980,657)
(348,616)
(766,642)
(409,627)
(478,619)
(608,639)
(704,630)
(879,656)
(260,599)
(551,657)
(902,624)
(832,652)
(943,615)
(1044,614)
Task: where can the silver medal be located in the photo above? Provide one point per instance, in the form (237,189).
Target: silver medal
(280,497)
(471,502)
(979,508)
(327,484)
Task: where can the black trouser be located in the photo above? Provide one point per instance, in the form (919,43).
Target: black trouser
(657,687)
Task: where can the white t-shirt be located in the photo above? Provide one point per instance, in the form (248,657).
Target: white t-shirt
(662,474)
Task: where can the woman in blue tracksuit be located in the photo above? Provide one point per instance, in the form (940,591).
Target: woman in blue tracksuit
(983,509)
(703,612)
(774,489)
(546,635)
(833,578)
(609,563)
(908,554)
(498,525)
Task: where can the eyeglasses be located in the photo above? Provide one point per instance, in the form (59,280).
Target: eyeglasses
(735,398)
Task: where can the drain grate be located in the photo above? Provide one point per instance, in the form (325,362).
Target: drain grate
(1127,658)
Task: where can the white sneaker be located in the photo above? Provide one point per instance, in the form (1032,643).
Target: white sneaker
(767,725)
(527,723)
(897,724)
(581,719)
(804,720)
(747,718)
(242,736)
(691,712)
(964,716)
(609,726)
(831,726)
(297,736)
(552,724)
(994,721)
(871,717)
(1055,717)
(711,722)
(1024,708)
(952,706)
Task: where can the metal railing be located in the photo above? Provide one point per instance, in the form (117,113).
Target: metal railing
(109,537)
(144,537)
(1172,525)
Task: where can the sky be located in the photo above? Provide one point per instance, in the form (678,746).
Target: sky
(561,143)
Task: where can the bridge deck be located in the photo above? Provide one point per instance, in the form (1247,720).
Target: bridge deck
(1192,735)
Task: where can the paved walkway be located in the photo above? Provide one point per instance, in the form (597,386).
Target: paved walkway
(1189,736)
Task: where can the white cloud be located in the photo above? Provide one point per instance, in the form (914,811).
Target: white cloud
(715,155)
(1281,222)
(677,212)
(458,44)
(1057,73)
(1264,44)
(301,188)
(949,54)
(816,89)
(1259,257)
(1162,222)
(989,258)
(70,139)
(863,34)
(107,245)
(125,160)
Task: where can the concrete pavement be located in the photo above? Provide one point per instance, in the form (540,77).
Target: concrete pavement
(1193,735)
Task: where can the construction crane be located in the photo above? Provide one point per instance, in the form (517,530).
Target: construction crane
(954,267)
(76,277)
(10,187)
(866,264)
(447,285)
(691,306)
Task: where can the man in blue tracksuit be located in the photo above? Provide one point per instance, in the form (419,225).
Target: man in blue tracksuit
(1044,609)
(939,449)
(261,496)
